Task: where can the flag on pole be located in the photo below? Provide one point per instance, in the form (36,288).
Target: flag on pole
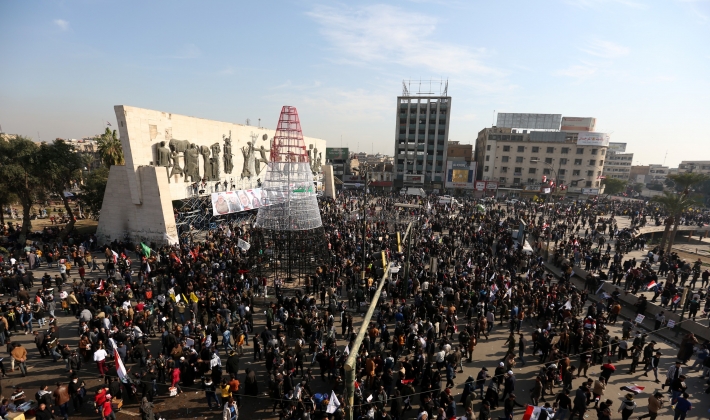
(532,412)
(333,404)
(146,249)
(120,368)
(115,256)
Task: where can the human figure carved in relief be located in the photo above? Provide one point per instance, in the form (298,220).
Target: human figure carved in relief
(215,162)
(228,164)
(192,163)
(177,170)
(206,164)
(164,158)
(248,153)
(261,159)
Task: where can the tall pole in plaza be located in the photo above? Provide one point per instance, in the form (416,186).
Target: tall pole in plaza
(364,227)
(408,238)
(351,362)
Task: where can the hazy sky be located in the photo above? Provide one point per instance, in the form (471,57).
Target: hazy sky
(640,67)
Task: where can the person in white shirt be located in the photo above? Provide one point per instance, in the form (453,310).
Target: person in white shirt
(100,359)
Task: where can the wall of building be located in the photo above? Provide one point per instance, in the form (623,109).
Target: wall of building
(421,139)
(519,163)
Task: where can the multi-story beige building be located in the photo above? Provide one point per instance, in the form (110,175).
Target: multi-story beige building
(518,159)
(618,163)
(699,166)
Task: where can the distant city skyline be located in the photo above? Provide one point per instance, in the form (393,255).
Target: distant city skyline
(637,66)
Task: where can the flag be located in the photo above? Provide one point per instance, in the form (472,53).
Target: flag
(676,299)
(651,284)
(120,368)
(346,351)
(568,304)
(633,388)
(244,245)
(146,249)
(532,412)
(494,288)
(333,404)
(468,264)
(101,285)
(115,256)
(601,177)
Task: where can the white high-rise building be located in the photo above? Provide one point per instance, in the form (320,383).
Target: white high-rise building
(618,162)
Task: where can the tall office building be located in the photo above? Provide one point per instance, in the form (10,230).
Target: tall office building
(421,136)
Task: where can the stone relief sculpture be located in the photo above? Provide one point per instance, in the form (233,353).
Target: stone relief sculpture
(192,163)
(248,153)
(164,158)
(215,162)
(206,164)
(177,170)
(228,164)
(261,159)
(315,159)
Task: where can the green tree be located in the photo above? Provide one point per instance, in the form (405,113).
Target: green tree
(110,148)
(92,192)
(613,186)
(6,198)
(60,167)
(19,163)
(638,187)
(675,204)
(683,182)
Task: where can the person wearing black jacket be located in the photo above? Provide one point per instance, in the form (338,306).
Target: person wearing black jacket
(509,405)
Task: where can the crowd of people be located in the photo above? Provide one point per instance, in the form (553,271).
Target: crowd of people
(183,316)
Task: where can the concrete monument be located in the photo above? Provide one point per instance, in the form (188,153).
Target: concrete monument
(160,148)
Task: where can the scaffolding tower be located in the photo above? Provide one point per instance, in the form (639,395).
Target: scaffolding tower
(289,233)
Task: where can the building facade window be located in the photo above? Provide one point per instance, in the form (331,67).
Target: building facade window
(578,161)
(532,170)
(506,148)
(550,150)
(580,150)
(504,159)
(592,162)
(565,150)
(563,161)
(548,160)
(535,149)
(518,159)
(521,149)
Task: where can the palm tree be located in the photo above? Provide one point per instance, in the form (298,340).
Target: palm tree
(683,182)
(110,149)
(675,204)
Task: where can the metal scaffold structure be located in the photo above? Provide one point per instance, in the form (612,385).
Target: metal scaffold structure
(194,217)
(289,233)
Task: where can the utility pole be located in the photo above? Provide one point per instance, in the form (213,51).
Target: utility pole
(408,238)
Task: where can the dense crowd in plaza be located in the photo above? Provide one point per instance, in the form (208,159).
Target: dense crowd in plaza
(468,274)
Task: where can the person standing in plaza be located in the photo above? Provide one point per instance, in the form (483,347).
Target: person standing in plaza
(627,407)
(682,407)
(19,355)
(655,403)
(100,359)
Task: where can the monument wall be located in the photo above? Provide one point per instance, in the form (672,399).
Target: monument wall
(173,157)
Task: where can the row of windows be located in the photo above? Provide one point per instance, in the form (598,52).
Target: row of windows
(533,160)
(403,130)
(516,181)
(422,121)
(614,157)
(536,149)
(626,170)
(618,163)
(545,171)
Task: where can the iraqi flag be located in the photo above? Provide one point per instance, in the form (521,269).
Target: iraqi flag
(532,412)
(651,284)
(676,299)
(102,285)
(633,389)
(115,256)
(494,288)
(120,368)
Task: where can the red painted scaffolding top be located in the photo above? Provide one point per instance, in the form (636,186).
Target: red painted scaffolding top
(287,144)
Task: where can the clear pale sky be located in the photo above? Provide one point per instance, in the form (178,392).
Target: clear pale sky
(640,67)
